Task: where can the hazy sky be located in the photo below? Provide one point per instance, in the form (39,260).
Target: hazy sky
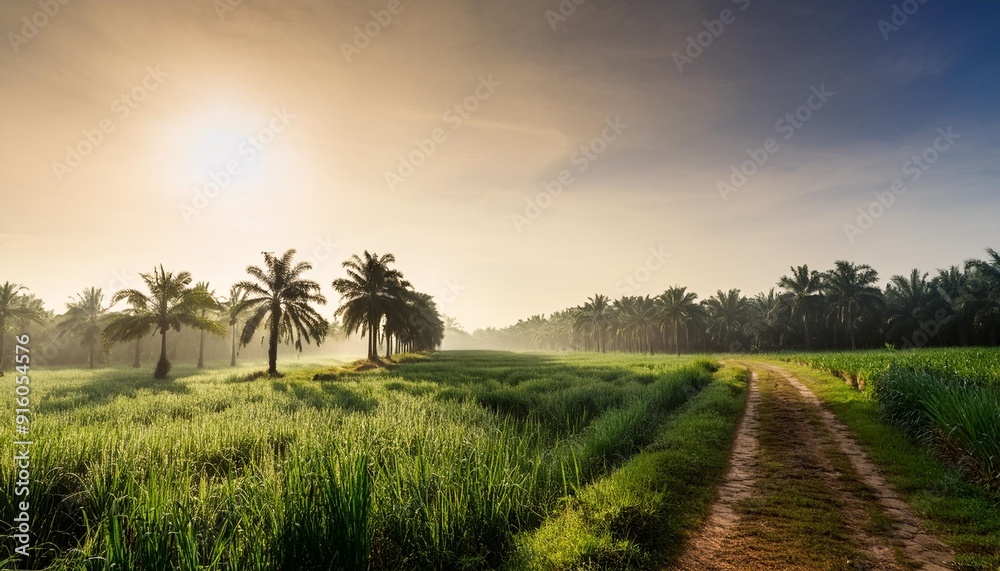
(490,103)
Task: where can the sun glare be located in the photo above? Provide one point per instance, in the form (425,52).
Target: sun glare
(226,148)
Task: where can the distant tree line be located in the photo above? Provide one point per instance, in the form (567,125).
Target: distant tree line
(377,302)
(841,308)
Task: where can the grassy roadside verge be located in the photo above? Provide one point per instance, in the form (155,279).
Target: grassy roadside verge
(638,517)
(963,515)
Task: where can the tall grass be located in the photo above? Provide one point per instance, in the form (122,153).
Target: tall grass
(438,464)
(958,416)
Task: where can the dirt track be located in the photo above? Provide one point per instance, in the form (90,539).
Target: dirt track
(801,494)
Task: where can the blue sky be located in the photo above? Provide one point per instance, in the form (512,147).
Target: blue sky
(457,224)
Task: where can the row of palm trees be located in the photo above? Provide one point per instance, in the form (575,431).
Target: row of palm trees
(837,309)
(375,301)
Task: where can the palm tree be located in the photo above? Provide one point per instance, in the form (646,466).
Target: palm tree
(282,297)
(849,288)
(140,331)
(953,286)
(642,318)
(203,288)
(676,305)
(911,301)
(802,286)
(14,308)
(170,304)
(595,315)
(727,312)
(768,318)
(86,317)
(987,277)
(232,307)
(370,292)
(420,326)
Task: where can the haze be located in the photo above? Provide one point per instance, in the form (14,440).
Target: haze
(515,159)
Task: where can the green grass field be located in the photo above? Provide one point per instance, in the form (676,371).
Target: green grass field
(460,461)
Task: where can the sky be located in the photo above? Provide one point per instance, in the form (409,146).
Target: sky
(516,156)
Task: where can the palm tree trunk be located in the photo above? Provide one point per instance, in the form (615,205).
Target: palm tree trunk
(3,339)
(138,349)
(805,324)
(388,345)
(232,360)
(272,344)
(850,327)
(162,365)
(201,350)
(677,340)
(90,354)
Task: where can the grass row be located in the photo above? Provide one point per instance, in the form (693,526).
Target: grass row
(438,464)
(869,368)
(639,516)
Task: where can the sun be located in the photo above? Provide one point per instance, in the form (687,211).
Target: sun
(219,146)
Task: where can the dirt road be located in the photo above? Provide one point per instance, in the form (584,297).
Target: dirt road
(801,494)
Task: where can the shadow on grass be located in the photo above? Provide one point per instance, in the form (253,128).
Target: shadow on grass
(326,395)
(104,388)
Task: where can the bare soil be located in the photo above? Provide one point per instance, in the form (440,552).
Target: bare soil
(801,494)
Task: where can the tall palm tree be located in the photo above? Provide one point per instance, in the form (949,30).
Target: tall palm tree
(595,315)
(727,312)
(170,304)
(768,318)
(953,286)
(987,278)
(642,317)
(802,287)
(233,309)
(370,291)
(675,306)
(86,318)
(850,288)
(214,306)
(911,301)
(420,326)
(284,299)
(142,327)
(14,308)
